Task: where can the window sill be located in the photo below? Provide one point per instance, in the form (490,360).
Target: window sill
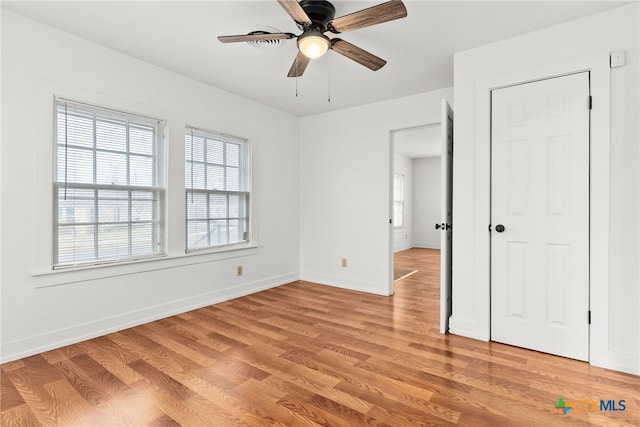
(71,275)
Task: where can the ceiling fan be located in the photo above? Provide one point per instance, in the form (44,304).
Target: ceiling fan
(316,17)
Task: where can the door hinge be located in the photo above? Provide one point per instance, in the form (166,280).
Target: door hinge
(589,316)
(590,102)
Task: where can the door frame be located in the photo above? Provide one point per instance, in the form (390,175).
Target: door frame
(430,120)
(599,176)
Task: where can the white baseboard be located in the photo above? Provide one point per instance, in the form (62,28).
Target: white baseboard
(467,328)
(346,283)
(29,346)
(402,248)
(632,367)
(427,245)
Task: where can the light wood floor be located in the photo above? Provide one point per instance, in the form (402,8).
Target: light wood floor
(305,354)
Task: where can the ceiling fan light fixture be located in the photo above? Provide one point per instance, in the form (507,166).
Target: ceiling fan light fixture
(316,17)
(313,44)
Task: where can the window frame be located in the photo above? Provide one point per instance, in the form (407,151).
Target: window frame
(156,191)
(245,190)
(398,201)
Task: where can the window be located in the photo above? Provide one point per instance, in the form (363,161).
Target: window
(108,185)
(217,189)
(398,200)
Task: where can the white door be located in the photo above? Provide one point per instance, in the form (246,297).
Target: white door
(540,215)
(446,207)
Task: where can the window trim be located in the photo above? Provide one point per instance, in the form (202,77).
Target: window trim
(400,200)
(159,172)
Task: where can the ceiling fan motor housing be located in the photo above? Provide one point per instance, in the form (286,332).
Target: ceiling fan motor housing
(321,12)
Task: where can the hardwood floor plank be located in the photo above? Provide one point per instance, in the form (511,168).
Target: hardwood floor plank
(111,357)
(32,389)
(17,416)
(298,374)
(230,363)
(304,413)
(346,414)
(386,393)
(13,365)
(182,341)
(383,388)
(179,410)
(153,353)
(161,381)
(82,383)
(74,409)
(400,415)
(309,355)
(163,421)
(287,388)
(263,401)
(9,395)
(137,406)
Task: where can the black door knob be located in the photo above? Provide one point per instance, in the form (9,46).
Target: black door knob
(499,228)
(439,226)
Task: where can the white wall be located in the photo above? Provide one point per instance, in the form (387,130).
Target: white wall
(41,310)
(426,202)
(614,300)
(345,189)
(403,236)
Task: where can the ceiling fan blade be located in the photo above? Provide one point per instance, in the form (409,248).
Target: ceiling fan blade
(384,12)
(295,11)
(255,37)
(299,65)
(354,53)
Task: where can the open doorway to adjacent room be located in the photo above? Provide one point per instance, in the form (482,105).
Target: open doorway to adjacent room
(416,205)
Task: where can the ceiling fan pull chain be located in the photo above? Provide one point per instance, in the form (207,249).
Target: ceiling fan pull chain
(329,75)
(297,76)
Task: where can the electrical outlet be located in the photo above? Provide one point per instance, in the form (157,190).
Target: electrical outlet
(239,271)
(344,262)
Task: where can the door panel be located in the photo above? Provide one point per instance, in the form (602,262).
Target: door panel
(540,195)
(517,182)
(446,215)
(517,291)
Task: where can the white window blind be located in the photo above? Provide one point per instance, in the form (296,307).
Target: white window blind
(217,180)
(398,200)
(108,185)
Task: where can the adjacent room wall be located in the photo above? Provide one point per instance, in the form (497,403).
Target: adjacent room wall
(41,310)
(426,202)
(403,236)
(346,162)
(618,346)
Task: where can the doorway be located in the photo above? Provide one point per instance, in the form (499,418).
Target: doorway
(416,176)
(441,214)
(540,215)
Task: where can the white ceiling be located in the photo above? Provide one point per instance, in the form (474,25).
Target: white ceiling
(181,36)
